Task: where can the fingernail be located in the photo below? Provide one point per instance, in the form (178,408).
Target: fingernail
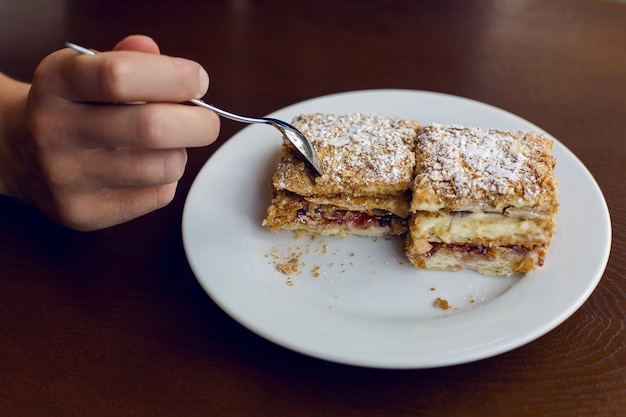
(204,81)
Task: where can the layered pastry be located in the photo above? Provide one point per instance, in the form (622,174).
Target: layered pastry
(368,164)
(482,199)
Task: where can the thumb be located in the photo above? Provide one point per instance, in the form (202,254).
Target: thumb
(139,43)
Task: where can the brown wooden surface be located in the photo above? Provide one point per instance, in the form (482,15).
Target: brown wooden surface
(114,322)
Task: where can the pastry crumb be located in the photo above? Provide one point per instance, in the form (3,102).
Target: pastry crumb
(291,266)
(442,304)
(316,271)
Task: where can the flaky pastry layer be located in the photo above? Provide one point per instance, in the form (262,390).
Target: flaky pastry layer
(495,260)
(361,155)
(473,169)
(291,212)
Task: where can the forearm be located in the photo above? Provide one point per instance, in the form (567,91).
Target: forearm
(12,108)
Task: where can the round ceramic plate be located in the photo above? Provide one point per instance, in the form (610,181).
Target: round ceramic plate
(358,300)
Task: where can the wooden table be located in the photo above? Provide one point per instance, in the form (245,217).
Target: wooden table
(115,323)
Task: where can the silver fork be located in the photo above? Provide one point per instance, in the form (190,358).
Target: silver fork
(297,139)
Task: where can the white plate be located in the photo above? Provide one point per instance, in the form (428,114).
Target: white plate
(369,306)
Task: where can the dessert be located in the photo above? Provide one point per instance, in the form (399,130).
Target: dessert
(469,198)
(368,164)
(482,199)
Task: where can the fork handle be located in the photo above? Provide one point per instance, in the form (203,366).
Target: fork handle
(227,114)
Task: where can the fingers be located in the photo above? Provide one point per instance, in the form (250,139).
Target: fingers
(122,77)
(89,171)
(128,167)
(139,43)
(95,159)
(135,77)
(149,126)
(99,188)
(110,206)
(130,77)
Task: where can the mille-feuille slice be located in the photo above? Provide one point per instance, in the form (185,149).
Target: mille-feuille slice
(483,199)
(368,164)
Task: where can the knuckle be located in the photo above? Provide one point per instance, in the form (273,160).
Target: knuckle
(113,76)
(45,73)
(57,178)
(38,125)
(150,125)
(46,131)
(53,178)
(70,212)
(41,124)
(40,77)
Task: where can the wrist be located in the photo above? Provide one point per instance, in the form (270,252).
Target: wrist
(12,110)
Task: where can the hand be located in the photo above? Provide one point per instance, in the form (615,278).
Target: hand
(104,137)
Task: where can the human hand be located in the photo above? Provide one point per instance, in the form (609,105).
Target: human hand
(104,137)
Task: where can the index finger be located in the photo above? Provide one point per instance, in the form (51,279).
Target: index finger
(129,76)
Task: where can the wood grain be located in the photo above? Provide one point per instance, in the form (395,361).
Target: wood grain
(114,322)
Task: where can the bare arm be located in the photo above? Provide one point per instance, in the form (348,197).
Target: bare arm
(12,108)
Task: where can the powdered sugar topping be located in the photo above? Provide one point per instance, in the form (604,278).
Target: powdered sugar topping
(361,148)
(473,162)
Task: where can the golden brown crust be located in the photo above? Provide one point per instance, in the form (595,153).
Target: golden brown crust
(483,199)
(461,168)
(361,155)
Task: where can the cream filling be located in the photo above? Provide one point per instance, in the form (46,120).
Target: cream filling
(478,227)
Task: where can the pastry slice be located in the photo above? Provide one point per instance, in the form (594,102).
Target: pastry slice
(483,199)
(368,164)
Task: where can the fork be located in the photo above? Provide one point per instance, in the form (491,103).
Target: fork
(297,139)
